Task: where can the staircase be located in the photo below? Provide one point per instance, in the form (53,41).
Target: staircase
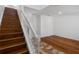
(12,40)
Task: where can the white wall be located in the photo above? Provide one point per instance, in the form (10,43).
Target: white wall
(63,25)
(1,13)
(40,23)
(67,26)
(36,22)
(46,25)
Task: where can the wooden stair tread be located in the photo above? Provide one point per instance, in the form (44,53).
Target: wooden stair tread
(11,39)
(8,42)
(11,45)
(2,37)
(13,49)
(10,21)
(10,33)
(19,51)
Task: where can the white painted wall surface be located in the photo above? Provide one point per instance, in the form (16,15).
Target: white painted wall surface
(36,22)
(67,26)
(46,25)
(63,25)
(1,13)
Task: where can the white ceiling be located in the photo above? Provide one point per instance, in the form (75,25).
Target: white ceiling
(31,10)
(53,9)
(37,7)
(60,9)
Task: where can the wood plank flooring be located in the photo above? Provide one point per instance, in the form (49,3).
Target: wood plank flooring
(62,44)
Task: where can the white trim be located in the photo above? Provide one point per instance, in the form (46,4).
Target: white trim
(24,27)
(11,6)
(1,16)
(32,30)
(24,30)
(68,37)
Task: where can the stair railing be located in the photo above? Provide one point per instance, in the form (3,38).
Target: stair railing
(1,13)
(32,39)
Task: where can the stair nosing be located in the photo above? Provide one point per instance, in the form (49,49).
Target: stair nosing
(12,46)
(11,33)
(21,52)
(10,39)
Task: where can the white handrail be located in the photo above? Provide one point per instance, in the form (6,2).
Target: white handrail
(26,25)
(1,14)
(30,25)
(37,37)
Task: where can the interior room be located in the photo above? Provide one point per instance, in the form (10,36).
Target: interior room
(46,29)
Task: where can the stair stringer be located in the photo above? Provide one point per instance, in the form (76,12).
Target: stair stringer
(29,40)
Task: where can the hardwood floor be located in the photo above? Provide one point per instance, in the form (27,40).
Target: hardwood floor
(12,40)
(65,45)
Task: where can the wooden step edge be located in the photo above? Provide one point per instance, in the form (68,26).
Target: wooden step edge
(10,33)
(12,45)
(21,51)
(11,39)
